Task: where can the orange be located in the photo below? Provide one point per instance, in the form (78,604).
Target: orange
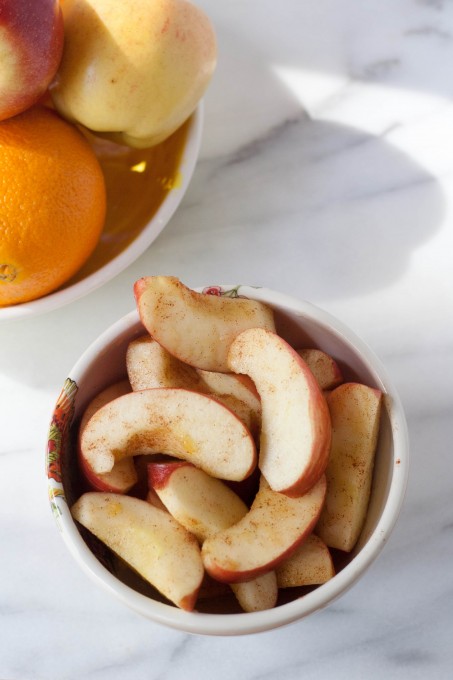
(52,204)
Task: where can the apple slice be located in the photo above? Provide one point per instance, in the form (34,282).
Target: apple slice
(197,329)
(153,498)
(149,365)
(258,594)
(325,369)
(295,422)
(148,539)
(205,505)
(178,422)
(238,387)
(271,531)
(123,475)
(202,504)
(355,412)
(310,565)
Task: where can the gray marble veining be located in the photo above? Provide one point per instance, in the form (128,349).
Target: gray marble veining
(326,172)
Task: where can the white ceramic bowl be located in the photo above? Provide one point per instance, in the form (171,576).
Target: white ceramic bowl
(134,221)
(303,325)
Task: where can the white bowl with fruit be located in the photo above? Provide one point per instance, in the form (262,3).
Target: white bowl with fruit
(99,138)
(226,461)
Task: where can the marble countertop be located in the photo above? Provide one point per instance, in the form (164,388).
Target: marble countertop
(326,172)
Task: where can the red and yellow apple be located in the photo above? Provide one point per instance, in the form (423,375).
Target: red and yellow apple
(31,45)
(134,71)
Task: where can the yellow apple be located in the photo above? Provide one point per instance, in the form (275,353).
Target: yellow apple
(133,70)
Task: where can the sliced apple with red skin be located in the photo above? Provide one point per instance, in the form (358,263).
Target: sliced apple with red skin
(311,564)
(148,539)
(197,329)
(177,422)
(202,504)
(295,421)
(149,365)
(153,498)
(239,388)
(325,369)
(355,412)
(205,505)
(258,594)
(123,475)
(270,532)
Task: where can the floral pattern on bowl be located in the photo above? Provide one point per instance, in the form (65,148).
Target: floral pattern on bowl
(57,445)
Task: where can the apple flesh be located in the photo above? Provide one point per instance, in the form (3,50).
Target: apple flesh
(311,564)
(122,476)
(148,539)
(202,504)
(149,365)
(205,506)
(134,72)
(355,412)
(177,422)
(197,329)
(258,594)
(295,422)
(31,45)
(238,392)
(325,369)
(270,532)
(153,498)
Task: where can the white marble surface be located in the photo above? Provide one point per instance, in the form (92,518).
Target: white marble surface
(326,172)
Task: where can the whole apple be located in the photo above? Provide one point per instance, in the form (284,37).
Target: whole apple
(133,70)
(31,45)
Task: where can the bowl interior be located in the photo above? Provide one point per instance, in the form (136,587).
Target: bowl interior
(303,326)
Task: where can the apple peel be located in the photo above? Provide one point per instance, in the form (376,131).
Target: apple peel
(148,539)
(355,412)
(270,532)
(123,475)
(295,422)
(197,329)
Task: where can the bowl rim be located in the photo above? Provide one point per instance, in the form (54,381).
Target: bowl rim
(138,246)
(320,597)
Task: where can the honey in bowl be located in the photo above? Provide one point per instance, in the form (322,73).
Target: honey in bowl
(137,183)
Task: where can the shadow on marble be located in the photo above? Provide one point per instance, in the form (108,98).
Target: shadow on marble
(282,201)
(336,210)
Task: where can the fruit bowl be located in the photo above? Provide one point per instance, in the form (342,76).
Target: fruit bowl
(144,189)
(302,325)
